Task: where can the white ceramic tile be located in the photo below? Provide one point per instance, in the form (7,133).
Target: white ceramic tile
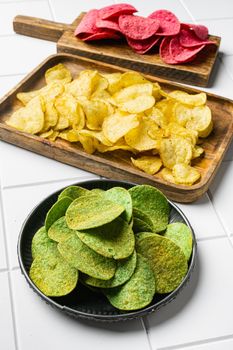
(147,6)
(228,63)
(47,328)
(30,8)
(19,166)
(229,153)
(17,204)
(3,263)
(203,218)
(21,54)
(222,28)
(7,83)
(210,8)
(217,345)
(203,310)
(222,193)
(74,8)
(6,325)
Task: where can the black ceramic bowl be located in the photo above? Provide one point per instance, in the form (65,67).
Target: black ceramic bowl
(83,302)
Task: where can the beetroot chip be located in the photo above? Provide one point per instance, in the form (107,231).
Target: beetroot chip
(164,51)
(101,35)
(116,10)
(201,31)
(87,24)
(169,23)
(107,24)
(138,28)
(189,39)
(143,46)
(183,54)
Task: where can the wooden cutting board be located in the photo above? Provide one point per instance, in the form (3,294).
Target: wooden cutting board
(117,165)
(119,53)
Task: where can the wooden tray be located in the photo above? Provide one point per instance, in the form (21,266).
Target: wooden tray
(117,165)
(119,53)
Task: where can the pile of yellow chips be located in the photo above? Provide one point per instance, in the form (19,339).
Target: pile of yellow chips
(107,112)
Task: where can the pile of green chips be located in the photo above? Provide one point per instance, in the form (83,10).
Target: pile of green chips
(118,241)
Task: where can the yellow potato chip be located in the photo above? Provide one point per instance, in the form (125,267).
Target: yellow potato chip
(50,115)
(174,129)
(48,92)
(26,97)
(137,105)
(201,121)
(148,164)
(30,118)
(131,92)
(58,73)
(181,114)
(175,150)
(167,175)
(185,174)
(96,111)
(69,135)
(101,95)
(46,134)
(159,117)
(197,152)
(98,135)
(156,92)
(83,85)
(88,143)
(138,137)
(70,110)
(188,99)
(155,132)
(118,125)
(119,145)
(53,136)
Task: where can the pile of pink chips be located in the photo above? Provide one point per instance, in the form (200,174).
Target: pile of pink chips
(178,42)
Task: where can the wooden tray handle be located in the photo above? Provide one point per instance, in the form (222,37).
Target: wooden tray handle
(39,28)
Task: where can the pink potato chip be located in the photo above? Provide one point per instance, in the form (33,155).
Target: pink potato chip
(201,31)
(189,39)
(107,24)
(87,24)
(143,46)
(169,23)
(164,51)
(138,28)
(116,10)
(105,34)
(183,54)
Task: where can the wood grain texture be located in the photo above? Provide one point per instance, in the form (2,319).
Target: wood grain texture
(117,164)
(119,53)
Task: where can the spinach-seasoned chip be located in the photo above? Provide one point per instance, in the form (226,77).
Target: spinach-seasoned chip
(180,234)
(138,292)
(53,275)
(125,269)
(41,243)
(57,211)
(166,260)
(140,226)
(59,231)
(153,203)
(121,196)
(80,256)
(114,240)
(91,211)
(137,213)
(73,192)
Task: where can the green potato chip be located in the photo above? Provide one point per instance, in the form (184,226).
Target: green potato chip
(125,269)
(121,196)
(56,211)
(137,292)
(91,211)
(96,191)
(80,256)
(41,243)
(73,192)
(153,203)
(59,231)
(180,234)
(113,240)
(166,260)
(140,226)
(53,275)
(137,213)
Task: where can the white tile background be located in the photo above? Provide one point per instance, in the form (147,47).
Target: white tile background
(201,318)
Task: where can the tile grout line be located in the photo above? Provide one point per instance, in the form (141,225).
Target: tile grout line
(225,66)
(228,235)
(147,330)
(41,183)
(13,74)
(51,10)
(188,11)
(8,272)
(198,342)
(19,1)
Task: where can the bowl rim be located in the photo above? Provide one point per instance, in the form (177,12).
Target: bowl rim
(103,317)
